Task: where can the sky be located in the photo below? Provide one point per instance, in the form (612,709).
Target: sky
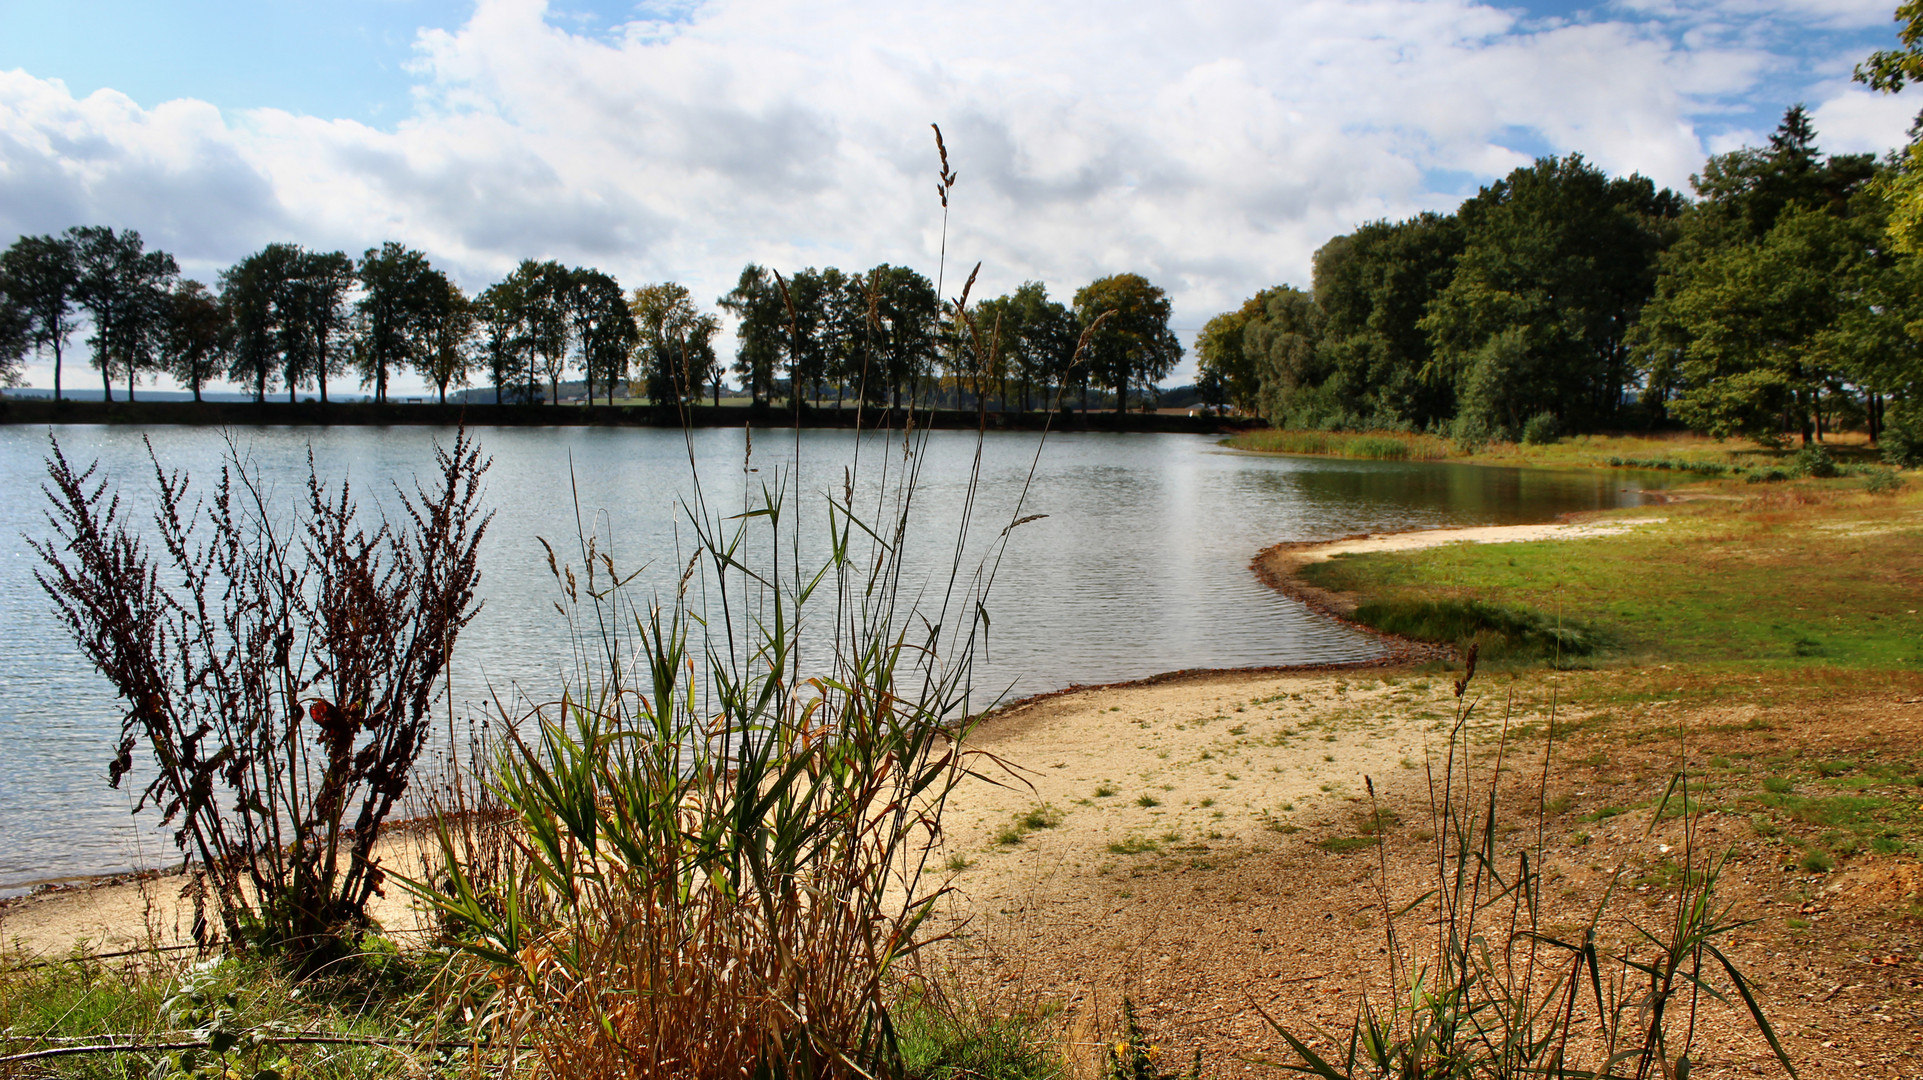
(1210,145)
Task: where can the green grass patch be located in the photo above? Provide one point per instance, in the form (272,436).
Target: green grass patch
(942,1039)
(1342,845)
(1807,574)
(1856,812)
(1500,633)
(1134,845)
(1034,819)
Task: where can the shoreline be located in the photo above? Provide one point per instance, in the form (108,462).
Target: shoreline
(15,410)
(1275,566)
(1279,565)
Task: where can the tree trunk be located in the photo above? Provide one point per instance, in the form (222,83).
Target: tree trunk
(56,369)
(107,378)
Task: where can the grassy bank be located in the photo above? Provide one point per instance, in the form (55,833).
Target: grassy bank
(1781,575)
(1680,451)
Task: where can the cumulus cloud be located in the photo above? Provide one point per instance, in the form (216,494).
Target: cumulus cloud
(1211,146)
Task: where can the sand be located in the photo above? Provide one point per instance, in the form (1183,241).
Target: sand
(1175,741)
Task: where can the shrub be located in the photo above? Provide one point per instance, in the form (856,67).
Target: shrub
(340,622)
(1816,461)
(1542,429)
(1902,437)
(1882,482)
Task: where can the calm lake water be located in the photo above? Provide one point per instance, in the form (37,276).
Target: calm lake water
(1141,565)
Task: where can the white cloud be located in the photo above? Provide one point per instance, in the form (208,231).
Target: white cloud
(1211,146)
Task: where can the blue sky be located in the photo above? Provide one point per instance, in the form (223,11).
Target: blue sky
(1212,144)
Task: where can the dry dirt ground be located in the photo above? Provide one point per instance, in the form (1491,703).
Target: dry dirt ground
(1188,864)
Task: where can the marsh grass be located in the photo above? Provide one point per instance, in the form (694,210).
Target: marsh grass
(1484,984)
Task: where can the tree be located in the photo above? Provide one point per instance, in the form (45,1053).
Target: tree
(247,300)
(16,338)
(1889,70)
(399,290)
(604,328)
(447,327)
(191,337)
(1759,318)
(760,331)
(1564,257)
(41,275)
(674,344)
(503,347)
(1767,303)
(324,280)
(542,289)
(902,309)
(1222,366)
(123,287)
(1135,347)
(1280,345)
(1373,287)
(1047,333)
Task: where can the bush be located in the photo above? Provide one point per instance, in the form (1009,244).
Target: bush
(1542,429)
(1816,461)
(1882,482)
(337,622)
(1902,437)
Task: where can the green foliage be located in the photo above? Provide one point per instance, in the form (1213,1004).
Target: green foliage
(1542,429)
(941,1039)
(1882,482)
(1558,261)
(1500,633)
(705,808)
(1815,460)
(1902,436)
(1134,345)
(1031,820)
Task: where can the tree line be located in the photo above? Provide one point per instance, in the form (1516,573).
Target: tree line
(289,320)
(1774,304)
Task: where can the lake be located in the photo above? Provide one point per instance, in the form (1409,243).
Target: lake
(1140,566)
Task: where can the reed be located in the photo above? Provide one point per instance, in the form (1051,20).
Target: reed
(722,827)
(1374,445)
(1491,992)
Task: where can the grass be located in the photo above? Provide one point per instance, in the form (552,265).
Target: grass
(942,1039)
(251,1004)
(1376,446)
(1814,572)
(1034,819)
(1677,451)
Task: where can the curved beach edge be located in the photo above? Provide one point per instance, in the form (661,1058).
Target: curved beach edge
(1279,566)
